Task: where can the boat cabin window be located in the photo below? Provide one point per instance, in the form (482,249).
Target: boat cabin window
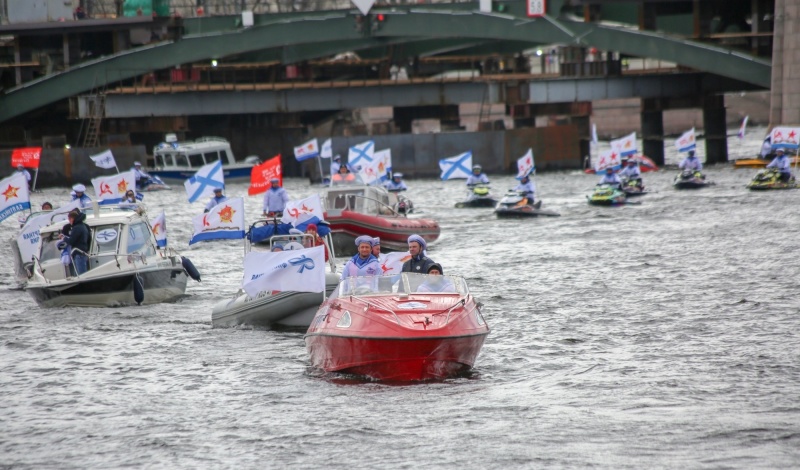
(344,200)
(226,156)
(196,160)
(105,239)
(211,157)
(49,250)
(138,236)
(181,160)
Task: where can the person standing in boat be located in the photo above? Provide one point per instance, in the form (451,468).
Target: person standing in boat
(611,179)
(275,199)
(691,163)
(311,229)
(363,263)
(477,176)
(782,164)
(336,163)
(218,198)
(78,238)
(140,175)
(436,282)
(79,194)
(21,169)
(396,184)
(419,263)
(527,187)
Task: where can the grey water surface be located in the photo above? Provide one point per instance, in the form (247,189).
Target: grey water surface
(659,335)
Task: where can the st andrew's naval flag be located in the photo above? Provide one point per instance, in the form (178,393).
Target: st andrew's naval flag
(686,141)
(308,150)
(203,182)
(160,229)
(295,270)
(525,165)
(361,154)
(14,195)
(608,159)
(303,211)
(112,189)
(225,220)
(459,166)
(785,138)
(625,146)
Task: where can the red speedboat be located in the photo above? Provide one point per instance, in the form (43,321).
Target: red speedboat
(353,211)
(398,328)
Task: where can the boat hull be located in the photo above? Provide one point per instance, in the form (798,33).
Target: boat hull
(285,309)
(393,231)
(232,174)
(522,212)
(395,359)
(477,202)
(690,184)
(159,285)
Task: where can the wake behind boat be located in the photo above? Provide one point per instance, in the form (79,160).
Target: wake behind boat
(398,328)
(126,266)
(288,309)
(515,204)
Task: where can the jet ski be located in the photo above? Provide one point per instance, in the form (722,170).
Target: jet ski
(607,195)
(770,179)
(689,179)
(478,196)
(515,204)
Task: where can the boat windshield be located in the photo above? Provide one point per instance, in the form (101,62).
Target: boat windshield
(402,283)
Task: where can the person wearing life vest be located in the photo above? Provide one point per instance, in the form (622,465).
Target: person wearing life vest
(218,198)
(336,163)
(419,263)
(690,163)
(343,176)
(611,179)
(527,187)
(311,229)
(275,199)
(782,163)
(363,263)
(477,176)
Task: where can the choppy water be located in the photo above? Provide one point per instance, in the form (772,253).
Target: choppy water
(663,335)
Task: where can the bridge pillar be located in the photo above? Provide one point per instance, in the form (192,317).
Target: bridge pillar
(785,89)
(716,129)
(653,130)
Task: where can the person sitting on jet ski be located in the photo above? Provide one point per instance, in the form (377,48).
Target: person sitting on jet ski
(477,176)
(396,184)
(631,171)
(527,187)
(782,164)
(611,179)
(690,163)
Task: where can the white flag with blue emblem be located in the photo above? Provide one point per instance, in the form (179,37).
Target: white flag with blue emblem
(296,270)
(459,166)
(15,195)
(361,155)
(327,149)
(204,181)
(104,160)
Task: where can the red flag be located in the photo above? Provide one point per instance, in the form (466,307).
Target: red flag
(27,156)
(261,174)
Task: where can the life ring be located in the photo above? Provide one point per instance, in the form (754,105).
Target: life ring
(138,290)
(188,266)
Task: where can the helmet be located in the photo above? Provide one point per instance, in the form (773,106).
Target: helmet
(397,175)
(477,168)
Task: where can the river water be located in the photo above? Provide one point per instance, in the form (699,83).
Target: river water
(659,335)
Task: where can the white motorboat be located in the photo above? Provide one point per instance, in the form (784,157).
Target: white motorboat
(126,266)
(287,309)
(178,161)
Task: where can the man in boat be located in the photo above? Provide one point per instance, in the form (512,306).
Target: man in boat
(419,263)
(782,164)
(218,198)
(363,263)
(611,179)
(691,163)
(631,172)
(336,163)
(344,176)
(527,187)
(376,248)
(21,169)
(46,206)
(477,176)
(140,175)
(79,194)
(396,184)
(78,238)
(436,282)
(275,199)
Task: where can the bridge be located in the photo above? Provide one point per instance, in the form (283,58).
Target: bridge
(246,57)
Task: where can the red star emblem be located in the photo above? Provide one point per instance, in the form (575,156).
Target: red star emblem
(10,192)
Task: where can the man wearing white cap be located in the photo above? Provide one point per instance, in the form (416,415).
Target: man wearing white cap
(363,263)
(419,263)
(275,199)
(79,194)
(21,169)
(396,184)
(218,198)
(140,175)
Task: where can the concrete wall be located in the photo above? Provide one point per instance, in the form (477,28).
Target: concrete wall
(785,109)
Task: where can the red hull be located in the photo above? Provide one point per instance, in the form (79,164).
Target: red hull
(393,230)
(393,344)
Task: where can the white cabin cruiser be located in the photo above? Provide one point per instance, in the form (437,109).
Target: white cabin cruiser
(287,309)
(126,266)
(178,161)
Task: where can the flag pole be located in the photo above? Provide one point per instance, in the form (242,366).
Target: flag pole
(321,174)
(35,175)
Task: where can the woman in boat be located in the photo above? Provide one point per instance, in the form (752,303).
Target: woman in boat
(782,164)
(611,179)
(275,199)
(419,263)
(477,176)
(691,163)
(527,187)
(363,263)
(336,163)
(130,197)
(311,229)
(436,282)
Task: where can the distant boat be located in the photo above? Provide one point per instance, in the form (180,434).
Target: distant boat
(178,161)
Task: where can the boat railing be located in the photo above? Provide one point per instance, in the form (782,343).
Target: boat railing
(370,305)
(211,139)
(392,211)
